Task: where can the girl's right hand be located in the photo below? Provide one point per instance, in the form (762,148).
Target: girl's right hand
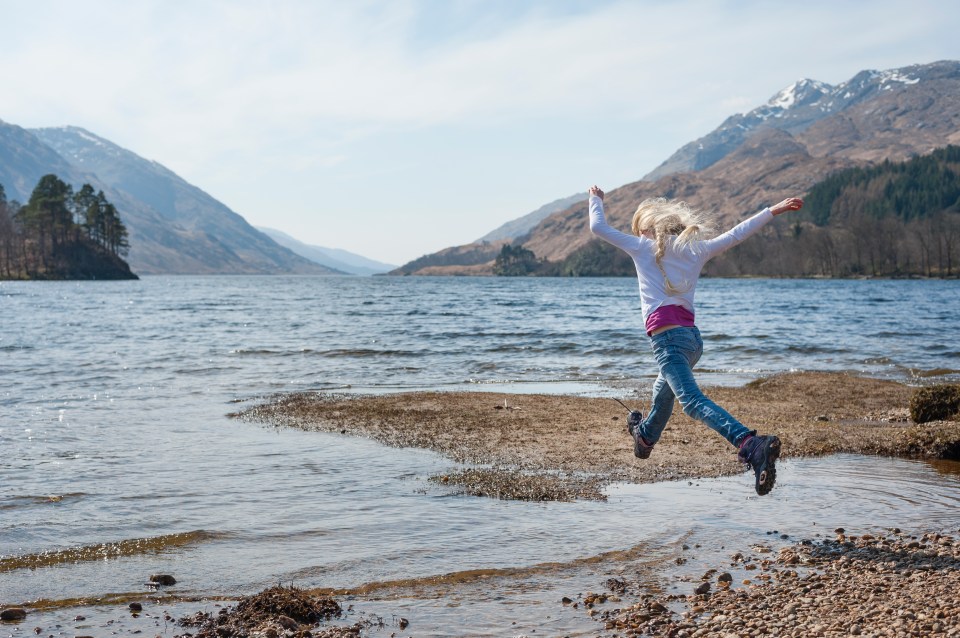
(595,190)
(791,203)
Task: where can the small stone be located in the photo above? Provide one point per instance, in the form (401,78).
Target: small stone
(13,613)
(404,623)
(79,618)
(163,580)
(703,588)
(287,622)
(135,607)
(725,577)
(565,600)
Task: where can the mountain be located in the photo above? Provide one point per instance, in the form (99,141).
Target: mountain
(807,102)
(784,147)
(174,226)
(24,160)
(335,258)
(523,225)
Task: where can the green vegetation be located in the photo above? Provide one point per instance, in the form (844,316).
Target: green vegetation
(597,259)
(515,261)
(60,234)
(906,190)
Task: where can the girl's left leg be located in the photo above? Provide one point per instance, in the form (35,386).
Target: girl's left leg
(661,408)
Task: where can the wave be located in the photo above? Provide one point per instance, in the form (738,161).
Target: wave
(105,551)
(368,352)
(15,502)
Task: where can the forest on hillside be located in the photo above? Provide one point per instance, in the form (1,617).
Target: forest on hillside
(894,219)
(62,234)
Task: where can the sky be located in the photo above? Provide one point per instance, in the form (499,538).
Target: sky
(393,129)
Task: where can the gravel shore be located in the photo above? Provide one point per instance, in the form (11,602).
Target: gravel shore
(872,585)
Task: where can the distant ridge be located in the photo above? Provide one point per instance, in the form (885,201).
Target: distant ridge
(335,258)
(523,225)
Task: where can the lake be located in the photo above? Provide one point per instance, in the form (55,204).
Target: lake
(113,429)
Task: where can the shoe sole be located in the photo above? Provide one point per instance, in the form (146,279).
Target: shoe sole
(767,475)
(640,450)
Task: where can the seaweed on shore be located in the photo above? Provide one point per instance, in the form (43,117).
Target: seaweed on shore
(512,484)
(277,611)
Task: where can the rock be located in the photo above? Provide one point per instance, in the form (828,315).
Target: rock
(287,622)
(164,580)
(935,403)
(703,588)
(13,613)
(725,577)
(135,607)
(404,623)
(565,600)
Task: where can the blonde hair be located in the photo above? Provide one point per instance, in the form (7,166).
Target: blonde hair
(666,218)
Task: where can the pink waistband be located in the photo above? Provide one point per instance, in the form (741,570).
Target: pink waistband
(668,315)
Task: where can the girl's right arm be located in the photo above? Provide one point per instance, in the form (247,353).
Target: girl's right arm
(603,230)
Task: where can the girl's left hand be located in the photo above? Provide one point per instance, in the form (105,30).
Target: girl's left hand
(791,203)
(595,190)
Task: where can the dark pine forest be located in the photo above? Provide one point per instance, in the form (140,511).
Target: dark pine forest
(62,234)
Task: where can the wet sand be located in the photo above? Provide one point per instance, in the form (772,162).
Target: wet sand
(574,443)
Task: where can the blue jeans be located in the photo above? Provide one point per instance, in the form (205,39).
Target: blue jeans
(677,350)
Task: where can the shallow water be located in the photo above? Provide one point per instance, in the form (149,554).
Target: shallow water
(119,461)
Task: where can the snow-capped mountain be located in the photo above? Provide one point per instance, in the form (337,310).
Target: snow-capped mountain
(795,108)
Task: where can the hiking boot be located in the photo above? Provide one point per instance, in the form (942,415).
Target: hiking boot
(641,448)
(761,453)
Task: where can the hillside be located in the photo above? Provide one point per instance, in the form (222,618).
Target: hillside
(174,226)
(523,225)
(785,147)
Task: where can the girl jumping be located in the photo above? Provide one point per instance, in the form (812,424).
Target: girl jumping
(669,252)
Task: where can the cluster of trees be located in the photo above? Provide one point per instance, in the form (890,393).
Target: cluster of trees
(60,233)
(516,261)
(895,219)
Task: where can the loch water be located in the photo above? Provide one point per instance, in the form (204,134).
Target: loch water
(119,459)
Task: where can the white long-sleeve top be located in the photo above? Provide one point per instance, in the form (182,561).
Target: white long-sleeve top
(682,266)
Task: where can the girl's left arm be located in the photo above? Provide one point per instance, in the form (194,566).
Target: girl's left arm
(748,227)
